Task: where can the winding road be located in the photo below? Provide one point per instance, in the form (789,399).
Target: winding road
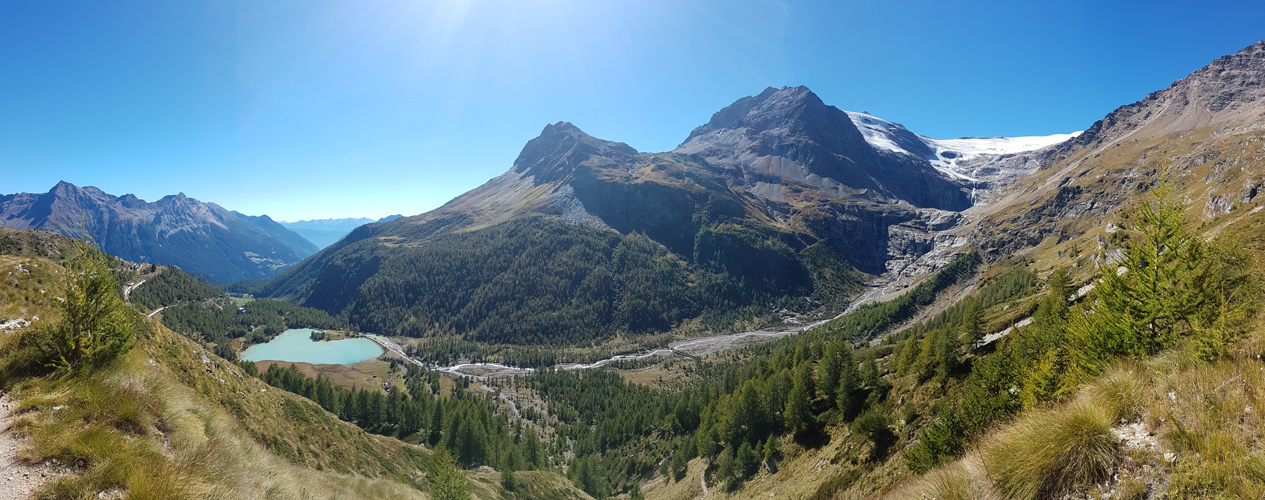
(127,290)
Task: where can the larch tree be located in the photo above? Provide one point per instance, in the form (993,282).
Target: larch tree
(446,481)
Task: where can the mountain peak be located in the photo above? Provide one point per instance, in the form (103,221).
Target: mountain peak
(200,237)
(790,133)
(562,146)
(561,128)
(1229,81)
(768,109)
(63,187)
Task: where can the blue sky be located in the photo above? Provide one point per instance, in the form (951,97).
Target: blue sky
(318,109)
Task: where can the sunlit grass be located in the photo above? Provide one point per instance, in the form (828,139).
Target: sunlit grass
(1204,436)
(1048,451)
(136,428)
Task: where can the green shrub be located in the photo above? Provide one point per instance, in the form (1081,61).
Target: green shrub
(95,325)
(871,424)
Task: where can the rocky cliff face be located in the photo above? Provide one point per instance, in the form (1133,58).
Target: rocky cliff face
(199,237)
(1228,91)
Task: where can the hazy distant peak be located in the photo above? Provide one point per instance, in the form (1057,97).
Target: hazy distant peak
(201,237)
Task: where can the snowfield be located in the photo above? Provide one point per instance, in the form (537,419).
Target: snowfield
(948,155)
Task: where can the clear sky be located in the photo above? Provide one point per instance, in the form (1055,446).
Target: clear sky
(317,109)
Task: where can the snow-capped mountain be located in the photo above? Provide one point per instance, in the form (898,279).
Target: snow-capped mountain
(954,157)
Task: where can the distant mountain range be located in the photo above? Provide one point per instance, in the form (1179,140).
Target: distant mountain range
(203,238)
(779,203)
(325,232)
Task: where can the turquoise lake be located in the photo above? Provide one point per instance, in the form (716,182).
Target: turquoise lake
(297,346)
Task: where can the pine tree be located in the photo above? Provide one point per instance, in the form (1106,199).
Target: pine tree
(96,325)
(828,372)
(798,414)
(725,465)
(468,443)
(1042,347)
(803,351)
(948,352)
(436,424)
(972,326)
(679,464)
(747,460)
(869,370)
(532,453)
(849,383)
(508,480)
(1146,305)
(446,481)
(771,449)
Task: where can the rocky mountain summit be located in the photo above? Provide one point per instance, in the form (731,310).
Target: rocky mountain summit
(202,238)
(790,134)
(876,191)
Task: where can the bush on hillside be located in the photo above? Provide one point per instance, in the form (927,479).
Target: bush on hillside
(95,325)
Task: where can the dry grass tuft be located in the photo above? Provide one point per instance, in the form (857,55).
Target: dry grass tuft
(1119,391)
(1051,451)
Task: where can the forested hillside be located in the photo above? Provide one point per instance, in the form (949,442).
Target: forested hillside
(540,281)
(203,312)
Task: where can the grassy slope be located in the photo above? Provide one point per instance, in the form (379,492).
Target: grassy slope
(1193,433)
(1205,414)
(164,421)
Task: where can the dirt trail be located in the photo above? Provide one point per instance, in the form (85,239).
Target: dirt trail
(18,480)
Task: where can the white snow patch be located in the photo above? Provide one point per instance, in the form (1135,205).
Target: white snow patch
(877,131)
(948,154)
(970,148)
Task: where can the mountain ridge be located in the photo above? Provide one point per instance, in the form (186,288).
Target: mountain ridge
(1082,182)
(203,238)
(778,196)
(325,232)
